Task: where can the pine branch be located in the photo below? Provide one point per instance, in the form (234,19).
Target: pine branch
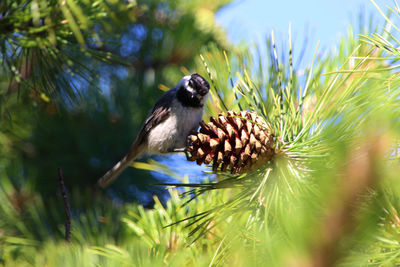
(67,207)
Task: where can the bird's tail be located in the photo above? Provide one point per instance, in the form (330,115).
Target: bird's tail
(121,165)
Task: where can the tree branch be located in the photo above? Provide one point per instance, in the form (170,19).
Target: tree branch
(66,206)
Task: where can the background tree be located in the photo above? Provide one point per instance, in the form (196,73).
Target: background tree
(80,77)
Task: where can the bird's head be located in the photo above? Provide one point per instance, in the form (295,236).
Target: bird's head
(193,90)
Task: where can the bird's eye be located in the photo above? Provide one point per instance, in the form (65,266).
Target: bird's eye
(191,83)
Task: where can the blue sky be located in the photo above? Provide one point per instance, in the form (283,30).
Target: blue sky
(325,20)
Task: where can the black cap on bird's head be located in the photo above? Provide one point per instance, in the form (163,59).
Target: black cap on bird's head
(193,90)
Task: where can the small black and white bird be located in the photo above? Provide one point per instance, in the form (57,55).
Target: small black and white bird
(168,125)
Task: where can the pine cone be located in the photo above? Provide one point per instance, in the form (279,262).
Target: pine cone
(238,141)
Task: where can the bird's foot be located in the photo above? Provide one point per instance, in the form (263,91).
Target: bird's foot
(178,150)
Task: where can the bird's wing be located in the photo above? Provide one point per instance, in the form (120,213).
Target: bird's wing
(160,112)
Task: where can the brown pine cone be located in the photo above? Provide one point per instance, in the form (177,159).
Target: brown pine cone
(238,141)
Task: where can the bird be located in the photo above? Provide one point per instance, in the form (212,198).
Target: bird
(177,113)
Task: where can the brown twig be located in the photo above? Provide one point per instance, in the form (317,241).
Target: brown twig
(360,174)
(66,206)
